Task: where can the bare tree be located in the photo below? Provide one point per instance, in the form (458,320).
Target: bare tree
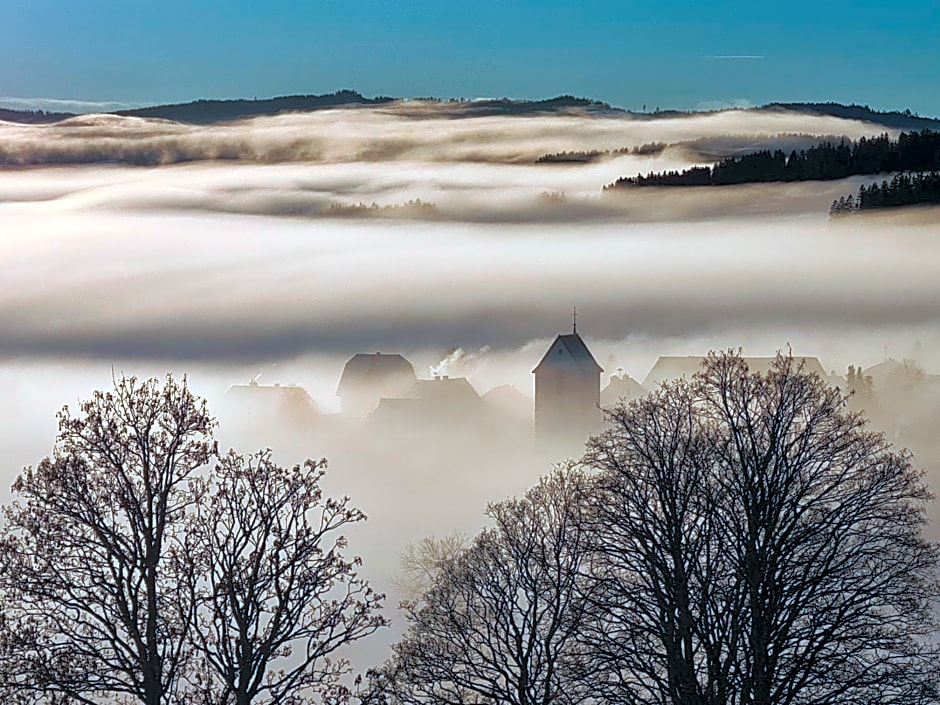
(825,519)
(500,623)
(277,597)
(86,556)
(660,585)
(423,561)
(768,543)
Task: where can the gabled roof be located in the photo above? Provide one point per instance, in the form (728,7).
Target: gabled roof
(445,390)
(624,387)
(367,369)
(672,367)
(254,391)
(677,366)
(510,401)
(883,369)
(569,349)
(436,403)
(288,398)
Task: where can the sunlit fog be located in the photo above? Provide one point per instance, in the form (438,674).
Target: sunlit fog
(271,251)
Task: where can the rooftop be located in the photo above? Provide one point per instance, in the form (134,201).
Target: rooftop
(677,366)
(570,348)
(365,369)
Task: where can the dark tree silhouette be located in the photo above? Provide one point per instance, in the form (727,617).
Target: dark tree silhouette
(500,624)
(90,552)
(132,569)
(912,151)
(585,157)
(759,546)
(12,684)
(277,597)
(211,111)
(665,605)
(902,190)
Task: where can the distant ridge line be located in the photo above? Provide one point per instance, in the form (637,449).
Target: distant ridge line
(209,111)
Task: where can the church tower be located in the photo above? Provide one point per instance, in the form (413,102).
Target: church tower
(567,393)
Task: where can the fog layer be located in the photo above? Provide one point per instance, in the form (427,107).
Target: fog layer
(404,131)
(260,260)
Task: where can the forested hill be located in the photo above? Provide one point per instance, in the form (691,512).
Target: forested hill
(210,111)
(32,117)
(895,119)
(914,151)
(902,190)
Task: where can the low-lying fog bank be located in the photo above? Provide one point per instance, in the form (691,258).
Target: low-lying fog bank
(225,270)
(391,133)
(224,298)
(241,289)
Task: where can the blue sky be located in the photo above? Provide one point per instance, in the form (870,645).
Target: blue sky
(659,53)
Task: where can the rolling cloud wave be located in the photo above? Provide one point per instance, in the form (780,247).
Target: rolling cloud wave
(396,132)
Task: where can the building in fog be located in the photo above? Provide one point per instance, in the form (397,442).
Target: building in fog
(432,406)
(622,387)
(510,403)
(368,378)
(567,393)
(256,404)
(670,367)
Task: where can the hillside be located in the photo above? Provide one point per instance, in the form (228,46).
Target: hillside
(208,111)
(911,151)
(211,111)
(898,120)
(32,117)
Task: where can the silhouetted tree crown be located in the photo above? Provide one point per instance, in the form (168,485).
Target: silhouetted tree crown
(912,151)
(90,551)
(902,190)
(758,545)
(733,539)
(502,619)
(138,566)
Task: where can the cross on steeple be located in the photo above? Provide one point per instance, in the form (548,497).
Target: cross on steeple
(574,320)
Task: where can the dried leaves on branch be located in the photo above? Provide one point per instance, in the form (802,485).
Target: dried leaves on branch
(277,598)
(133,568)
(89,548)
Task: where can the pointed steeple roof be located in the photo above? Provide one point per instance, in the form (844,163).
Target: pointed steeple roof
(568,350)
